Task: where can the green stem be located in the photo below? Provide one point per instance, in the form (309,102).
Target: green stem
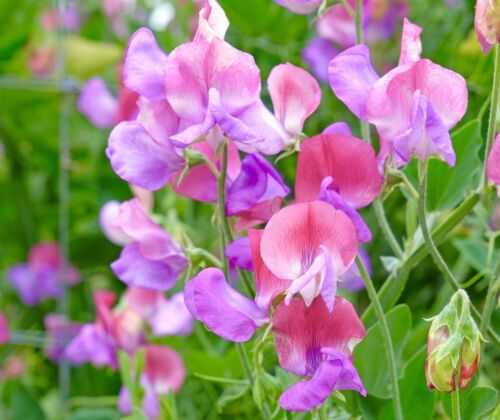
(384,329)
(436,256)
(489,305)
(455,401)
(225,232)
(359,21)
(495,99)
(386,229)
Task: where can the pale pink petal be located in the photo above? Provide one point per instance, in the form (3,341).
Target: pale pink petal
(158,118)
(302,7)
(493,163)
(144,65)
(295,95)
(212,22)
(337,26)
(98,104)
(411,47)
(164,369)
(107,217)
(171,317)
(293,237)
(487,24)
(349,161)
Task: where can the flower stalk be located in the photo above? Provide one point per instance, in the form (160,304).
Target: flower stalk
(384,328)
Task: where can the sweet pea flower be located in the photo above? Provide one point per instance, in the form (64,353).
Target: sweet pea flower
(212,22)
(301,7)
(164,372)
(239,254)
(165,316)
(317,54)
(4,329)
(341,170)
(413,106)
(151,259)
(98,343)
(40,278)
(352,280)
(493,162)
(487,23)
(295,95)
(59,333)
(317,344)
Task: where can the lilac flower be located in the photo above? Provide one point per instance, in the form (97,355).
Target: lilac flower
(493,163)
(59,333)
(40,278)
(239,254)
(352,279)
(413,106)
(151,259)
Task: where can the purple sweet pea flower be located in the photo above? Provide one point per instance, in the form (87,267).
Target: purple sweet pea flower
(239,254)
(413,106)
(164,372)
(40,277)
(152,260)
(59,333)
(171,317)
(317,54)
(352,280)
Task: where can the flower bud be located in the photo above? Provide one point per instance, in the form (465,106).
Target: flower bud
(453,346)
(487,23)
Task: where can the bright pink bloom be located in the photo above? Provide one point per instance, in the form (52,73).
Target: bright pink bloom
(4,329)
(152,260)
(40,278)
(212,22)
(493,163)
(487,23)
(315,343)
(164,372)
(413,106)
(309,244)
(295,95)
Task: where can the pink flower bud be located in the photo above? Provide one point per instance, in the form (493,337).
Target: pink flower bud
(487,23)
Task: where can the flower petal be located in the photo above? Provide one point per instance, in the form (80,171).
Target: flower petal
(107,217)
(212,22)
(91,346)
(295,95)
(239,255)
(351,78)
(349,161)
(293,236)
(300,332)
(301,7)
(318,53)
(338,128)
(4,329)
(137,158)
(171,317)
(144,64)
(225,311)
(98,104)
(411,47)
(164,369)
(493,163)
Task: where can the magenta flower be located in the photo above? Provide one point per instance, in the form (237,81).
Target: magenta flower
(487,23)
(301,7)
(4,329)
(493,163)
(295,95)
(60,332)
(164,372)
(341,170)
(40,278)
(152,259)
(413,106)
(317,344)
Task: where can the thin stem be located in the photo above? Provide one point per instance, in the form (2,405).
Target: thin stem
(455,400)
(495,99)
(489,305)
(349,9)
(384,329)
(359,21)
(225,232)
(386,229)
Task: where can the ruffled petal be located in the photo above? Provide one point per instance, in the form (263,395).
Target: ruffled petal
(171,317)
(107,217)
(292,239)
(98,104)
(300,332)
(137,158)
(267,285)
(351,163)
(295,95)
(225,311)
(351,78)
(164,369)
(493,163)
(239,255)
(338,26)
(144,65)
(338,128)
(158,119)
(212,22)
(318,53)
(411,47)
(91,346)
(335,374)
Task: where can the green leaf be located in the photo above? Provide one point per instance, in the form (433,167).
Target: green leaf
(369,355)
(211,365)
(25,406)
(475,402)
(473,250)
(230,394)
(94,413)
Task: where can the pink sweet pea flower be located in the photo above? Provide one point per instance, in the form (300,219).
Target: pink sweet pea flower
(4,329)
(413,106)
(164,372)
(212,22)
(315,343)
(341,170)
(60,332)
(493,163)
(301,7)
(352,280)
(40,278)
(295,95)
(487,23)
(152,259)
(310,244)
